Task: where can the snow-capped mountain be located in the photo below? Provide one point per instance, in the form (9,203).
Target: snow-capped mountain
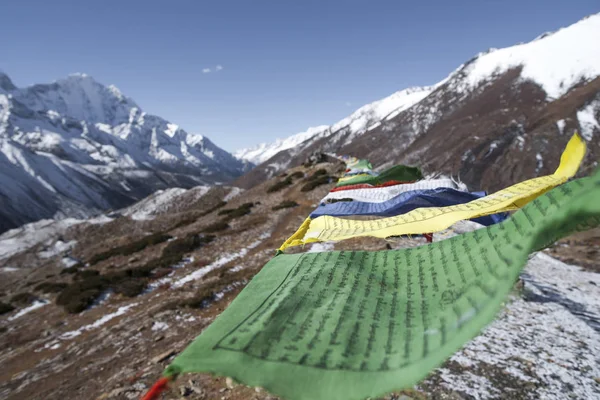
(360,121)
(262,152)
(75,147)
(504,111)
(369,117)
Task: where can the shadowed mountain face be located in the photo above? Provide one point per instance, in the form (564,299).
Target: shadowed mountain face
(76,147)
(501,117)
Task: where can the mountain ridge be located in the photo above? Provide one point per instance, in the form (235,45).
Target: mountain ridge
(359,120)
(263,151)
(526,80)
(79,147)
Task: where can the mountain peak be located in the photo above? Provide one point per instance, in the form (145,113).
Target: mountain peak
(81,147)
(77,79)
(6,83)
(115,91)
(78,96)
(555,61)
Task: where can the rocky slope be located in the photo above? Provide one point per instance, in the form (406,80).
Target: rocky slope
(542,345)
(495,120)
(76,147)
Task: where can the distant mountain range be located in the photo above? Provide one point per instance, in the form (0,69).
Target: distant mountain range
(365,118)
(76,147)
(503,116)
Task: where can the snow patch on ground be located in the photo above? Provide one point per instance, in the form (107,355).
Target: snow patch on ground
(579,286)
(540,162)
(69,261)
(186,318)
(235,191)
(236,268)
(168,279)
(159,326)
(587,120)
(57,248)
(159,202)
(534,342)
(29,235)
(122,310)
(36,304)
(561,126)
(321,247)
(520,142)
(493,146)
(543,342)
(476,386)
(102,299)
(54,345)
(100,220)
(205,270)
(223,260)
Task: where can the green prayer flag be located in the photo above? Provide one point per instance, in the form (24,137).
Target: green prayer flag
(356,324)
(362,164)
(401,173)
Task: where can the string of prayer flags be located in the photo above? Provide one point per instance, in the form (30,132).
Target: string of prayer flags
(435,219)
(352,325)
(406,202)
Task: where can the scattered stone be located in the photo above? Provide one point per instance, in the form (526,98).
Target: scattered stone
(117,392)
(185,391)
(195,388)
(163,356)
(229,383)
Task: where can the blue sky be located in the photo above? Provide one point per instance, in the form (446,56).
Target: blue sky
(286,65)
